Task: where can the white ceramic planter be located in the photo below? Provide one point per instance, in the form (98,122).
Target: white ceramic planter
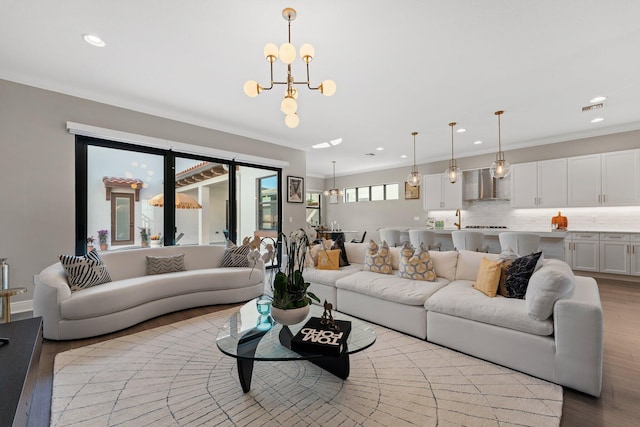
(290,317)
(155,243)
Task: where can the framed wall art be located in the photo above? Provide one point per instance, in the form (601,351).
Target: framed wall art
(411,192)
(295,189)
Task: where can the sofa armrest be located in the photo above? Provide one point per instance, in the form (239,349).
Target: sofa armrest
(579,337)
(51,289)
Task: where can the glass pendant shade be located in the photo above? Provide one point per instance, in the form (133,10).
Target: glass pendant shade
(414,179)
(453,171)
(500,168)
(287,53)
(292,120)
(271,52)
(307,52)
(328,88)
(252,88)
(289,105)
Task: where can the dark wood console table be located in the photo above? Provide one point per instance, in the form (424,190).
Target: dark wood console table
(19,361)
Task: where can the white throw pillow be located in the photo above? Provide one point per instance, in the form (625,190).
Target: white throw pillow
(444,263)
(546,286)
(469,264)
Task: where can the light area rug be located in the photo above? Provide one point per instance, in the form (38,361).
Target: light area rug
(175,376)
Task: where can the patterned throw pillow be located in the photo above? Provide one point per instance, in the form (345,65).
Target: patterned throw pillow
(235,256)
(518,275)
(319,247)
(377,259)
(329,260)
(165,264)
(488,277)
(339,244)
(84,271)
(506,258)
(416,264)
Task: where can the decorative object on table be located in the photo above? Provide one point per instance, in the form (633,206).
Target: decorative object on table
(265,321)
(144,236)
(559,222)
(287,54)
(327,317)
(410,192)
(6,295)
(414,179)
(317,337)
(291,298)
(90,241)
(500,167)
(102,238)
(156,240)
(453,171)
(295,189)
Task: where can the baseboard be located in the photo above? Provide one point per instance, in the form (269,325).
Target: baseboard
(21,306)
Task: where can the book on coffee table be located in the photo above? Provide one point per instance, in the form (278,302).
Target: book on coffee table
(314,337)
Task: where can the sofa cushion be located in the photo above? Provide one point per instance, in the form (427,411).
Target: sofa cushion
(469,263)
(547,285)
(165,264)
(329,277)
(356,252)
(128,293)
(488,277)
(444,263)
(416,264)
(329,260)
(391,287)
(518,275)
(459,299)
(84,271)
(377,259)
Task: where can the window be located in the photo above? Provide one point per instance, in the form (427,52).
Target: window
(313,208)
(373,193)
(268,203)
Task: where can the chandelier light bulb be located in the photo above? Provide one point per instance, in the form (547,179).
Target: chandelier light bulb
(271,52)
(328,87)
(414,179)
(289,105)
(292,120)
(307,52)
(287,53)
(252,88)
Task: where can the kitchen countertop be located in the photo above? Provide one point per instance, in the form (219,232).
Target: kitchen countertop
(497,231)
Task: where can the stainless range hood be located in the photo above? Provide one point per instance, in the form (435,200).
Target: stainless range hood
(479,185)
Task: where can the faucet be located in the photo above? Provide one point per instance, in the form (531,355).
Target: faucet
(459,216)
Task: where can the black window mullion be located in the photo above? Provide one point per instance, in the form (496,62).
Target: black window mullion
(81,197)
(169,198)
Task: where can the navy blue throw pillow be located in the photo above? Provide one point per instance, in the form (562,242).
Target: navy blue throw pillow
(518,274)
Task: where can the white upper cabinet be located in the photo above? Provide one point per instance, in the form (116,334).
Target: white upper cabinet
(440,194)
(539,184)
(608,179)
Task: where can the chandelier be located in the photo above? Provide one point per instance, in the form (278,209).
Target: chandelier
(287,54)
(334,191)
(500,168)
(453,171)
(414,179)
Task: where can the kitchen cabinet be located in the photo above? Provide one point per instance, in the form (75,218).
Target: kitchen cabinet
(582,251)
(607,179)
(539,184)
(615,253)
(634,242)
(440,194)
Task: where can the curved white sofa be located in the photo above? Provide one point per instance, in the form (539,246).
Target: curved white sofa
(565,348)
(133,296)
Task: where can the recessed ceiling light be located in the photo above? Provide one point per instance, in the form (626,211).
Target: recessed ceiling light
(94,40)
(380,149)
(477,142)
(321,145)
(598,99)
(335,141)
(597,120)
(461,130)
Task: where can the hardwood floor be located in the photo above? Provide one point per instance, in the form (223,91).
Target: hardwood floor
(619,404)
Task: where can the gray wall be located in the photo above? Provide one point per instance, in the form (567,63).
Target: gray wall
(370,216)
(37,196)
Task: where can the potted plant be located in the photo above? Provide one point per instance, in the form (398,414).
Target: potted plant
(291,299)
(102,238)
(155,240)
(90,241)
(144,236)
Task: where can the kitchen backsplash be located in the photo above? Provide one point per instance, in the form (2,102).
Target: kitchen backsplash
(500,213)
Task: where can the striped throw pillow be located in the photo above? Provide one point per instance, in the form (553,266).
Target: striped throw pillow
(165,264)
(235,256)
(84,271)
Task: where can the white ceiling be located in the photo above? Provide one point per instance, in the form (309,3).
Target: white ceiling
(399,66)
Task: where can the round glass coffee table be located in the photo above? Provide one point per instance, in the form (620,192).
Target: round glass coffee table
(248,338)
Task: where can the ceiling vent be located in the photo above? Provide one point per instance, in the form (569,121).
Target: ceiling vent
(370,154)
(593,107)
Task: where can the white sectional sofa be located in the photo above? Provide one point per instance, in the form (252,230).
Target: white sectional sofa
(565,348)
(133,296)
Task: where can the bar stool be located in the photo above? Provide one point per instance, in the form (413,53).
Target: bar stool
(392,237)
(520,243)
(469,240)
(423,236)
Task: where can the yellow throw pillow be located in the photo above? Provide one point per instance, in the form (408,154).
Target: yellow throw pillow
(329,260)
(488,277)
(378,259)
(416,265)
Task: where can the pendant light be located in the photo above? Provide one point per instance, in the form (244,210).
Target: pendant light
(334,191)
(414,179)
(500,168)
(453,171)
